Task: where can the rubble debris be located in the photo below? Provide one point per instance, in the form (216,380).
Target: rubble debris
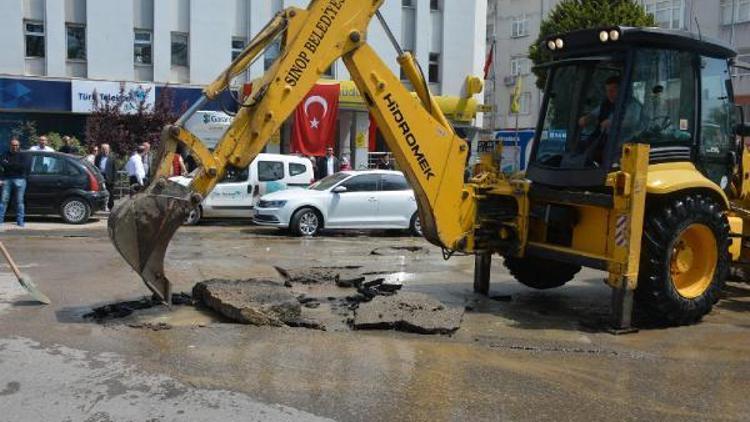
(350,283)
(399,250)
(502,298)
(307,323)
(124,309)
(374,283)
(409,311)
(251,301)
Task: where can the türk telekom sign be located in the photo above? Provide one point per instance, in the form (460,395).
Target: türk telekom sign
(132,94)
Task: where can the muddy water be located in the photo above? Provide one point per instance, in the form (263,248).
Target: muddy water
(538,356)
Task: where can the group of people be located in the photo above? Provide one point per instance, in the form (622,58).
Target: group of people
(330,164)
(15,171)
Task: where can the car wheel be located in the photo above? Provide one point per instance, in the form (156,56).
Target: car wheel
(306,222)
(75,211)
(193,217)
(415,227)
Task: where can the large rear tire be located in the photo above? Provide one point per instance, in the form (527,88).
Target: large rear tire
(684,258)
(540,273)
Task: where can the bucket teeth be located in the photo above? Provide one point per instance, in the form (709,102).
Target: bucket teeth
(142,226)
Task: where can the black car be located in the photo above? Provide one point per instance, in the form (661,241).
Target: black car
(63,184)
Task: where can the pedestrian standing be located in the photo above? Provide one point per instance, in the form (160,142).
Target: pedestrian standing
(134,168)
(345,165)
(42,145)
(93,152)
(178,164)
(147,159)
(105,162)
(328,165)
(15,171)
(67,148)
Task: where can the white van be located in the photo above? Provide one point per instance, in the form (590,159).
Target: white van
(238,193)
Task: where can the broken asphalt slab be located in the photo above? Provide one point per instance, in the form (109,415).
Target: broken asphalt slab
(408,311)
(251,301)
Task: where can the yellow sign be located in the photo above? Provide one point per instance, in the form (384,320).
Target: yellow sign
(275,138)
(360,140)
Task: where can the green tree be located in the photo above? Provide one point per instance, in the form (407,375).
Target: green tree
(572,15)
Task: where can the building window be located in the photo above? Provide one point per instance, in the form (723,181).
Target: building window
(407,3)
(519,66)
(179,49)
(668,13)
(741,10)
(238,44)
(524,103)
(76,35)
(142,47)
(434,68)
(34,33)
(436,5)
(520,27)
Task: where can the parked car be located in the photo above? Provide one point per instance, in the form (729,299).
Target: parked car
(62,184)
(239,191)
(377,199)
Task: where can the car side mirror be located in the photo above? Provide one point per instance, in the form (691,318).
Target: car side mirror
(742,129)
(339,189)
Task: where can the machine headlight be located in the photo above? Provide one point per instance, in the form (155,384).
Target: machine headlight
(551,44)
(614,35)
(604,36)
(271,204)
(559,43)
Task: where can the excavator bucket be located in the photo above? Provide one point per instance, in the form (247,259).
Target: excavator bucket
(142,226)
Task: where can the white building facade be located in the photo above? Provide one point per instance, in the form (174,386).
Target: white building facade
(186,43)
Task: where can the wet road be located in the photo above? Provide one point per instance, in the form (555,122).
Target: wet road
(537,356)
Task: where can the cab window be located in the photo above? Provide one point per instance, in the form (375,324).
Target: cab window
(269,171)
(717,121)
(660,104)
(295,169)
(363,183)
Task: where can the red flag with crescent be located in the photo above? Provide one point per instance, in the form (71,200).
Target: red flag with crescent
(315,120)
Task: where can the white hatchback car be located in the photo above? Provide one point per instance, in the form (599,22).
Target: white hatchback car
(377,199)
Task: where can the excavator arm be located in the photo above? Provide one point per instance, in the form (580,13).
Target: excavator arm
(424,144)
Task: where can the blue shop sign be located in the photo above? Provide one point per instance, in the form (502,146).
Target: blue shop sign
(34,94)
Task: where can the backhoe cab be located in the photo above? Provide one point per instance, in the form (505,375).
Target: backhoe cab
(633,171)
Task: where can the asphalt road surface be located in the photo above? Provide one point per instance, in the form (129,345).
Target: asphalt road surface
(525,355)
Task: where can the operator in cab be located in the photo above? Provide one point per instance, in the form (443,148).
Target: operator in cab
(604,112)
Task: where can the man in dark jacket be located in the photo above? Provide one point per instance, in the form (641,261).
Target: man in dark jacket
(15,170)
(67,148)
(105,162)
(327,165)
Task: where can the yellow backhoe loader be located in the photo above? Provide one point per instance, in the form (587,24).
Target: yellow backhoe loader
(634,169)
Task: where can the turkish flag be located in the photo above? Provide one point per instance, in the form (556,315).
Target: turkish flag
(315,120)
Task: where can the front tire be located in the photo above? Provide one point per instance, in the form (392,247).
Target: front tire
(306,222)
(75,210)
(684,259)
(540,273)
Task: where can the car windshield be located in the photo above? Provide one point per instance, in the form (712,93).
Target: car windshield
(328,182)
(581,103)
